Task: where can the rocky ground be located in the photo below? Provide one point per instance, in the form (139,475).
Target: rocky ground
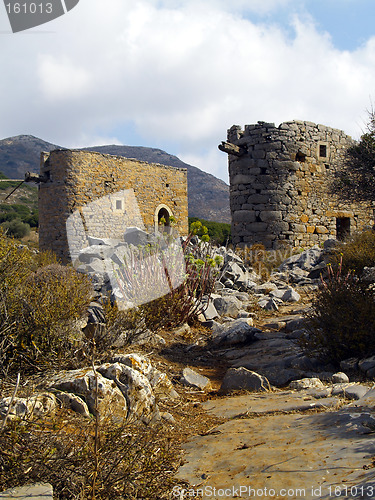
(255,415)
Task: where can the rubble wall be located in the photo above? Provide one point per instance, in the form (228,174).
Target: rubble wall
(75,179)
(279,185)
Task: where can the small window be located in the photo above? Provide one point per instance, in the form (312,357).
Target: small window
(118,204)
(323,151)
(300,157)
(342,228)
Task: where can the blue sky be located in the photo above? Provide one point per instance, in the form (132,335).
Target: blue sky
(176,74)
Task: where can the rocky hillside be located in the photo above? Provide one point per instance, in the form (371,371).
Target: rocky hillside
(208,196)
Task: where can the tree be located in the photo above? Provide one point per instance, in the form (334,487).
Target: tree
(355,180)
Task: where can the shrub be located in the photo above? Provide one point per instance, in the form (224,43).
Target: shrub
(219,232)
(125,461)
(125,324)
(16,228)
(168,284)
(341,321)
(39,307)
(52,300)
(357,252)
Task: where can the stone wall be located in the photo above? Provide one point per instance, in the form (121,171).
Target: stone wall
(105,194)
(279,185)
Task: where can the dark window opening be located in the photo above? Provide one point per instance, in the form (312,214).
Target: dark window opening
(323,151)
(118,204)
(167,185)
(342,228)
(258,191)
(263,171)
(300,157)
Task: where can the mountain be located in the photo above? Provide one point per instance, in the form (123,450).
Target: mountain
(208,197)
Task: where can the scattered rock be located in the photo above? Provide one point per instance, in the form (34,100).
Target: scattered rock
(38,491)
(235,332)
(340,378)
(349,391)
(227,306)
(306,383)
(194,379)
(241,378)
(38,405)
(110,401)
(349,365)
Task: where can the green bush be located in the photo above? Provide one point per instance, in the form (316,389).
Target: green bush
(219,232)
(356,253)
(341,321)
(39,309)
(16,228)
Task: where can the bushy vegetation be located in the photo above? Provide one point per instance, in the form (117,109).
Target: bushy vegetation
(16,228)
(219,232)
(39,307)
(356,178)
(179,278)
(356,252)
(341,321)
(82,461)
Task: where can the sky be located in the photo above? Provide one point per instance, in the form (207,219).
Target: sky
(176,74)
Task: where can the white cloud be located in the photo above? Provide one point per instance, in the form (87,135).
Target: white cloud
(62,79)
(182,72)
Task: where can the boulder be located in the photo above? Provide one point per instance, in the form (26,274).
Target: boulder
(350,364)
(305,261)
(306,383)
(135,236)
(350,391)
(73,402)
(88,254)
(194,379)
(111,403)
(38,405)
(340,378)
(269,304)
(367,364)
(227,306)
(38,491)
(160,383)
(242,379)
(135,387)
(234,332)
(210,312)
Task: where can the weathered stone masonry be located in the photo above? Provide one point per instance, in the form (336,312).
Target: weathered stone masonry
(279,185)
(74,179)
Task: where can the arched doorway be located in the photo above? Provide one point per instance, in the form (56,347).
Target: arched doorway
(162,218)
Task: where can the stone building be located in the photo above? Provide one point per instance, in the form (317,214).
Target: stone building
(279,185)
(106,195)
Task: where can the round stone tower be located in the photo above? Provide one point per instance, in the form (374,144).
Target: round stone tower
(280,185)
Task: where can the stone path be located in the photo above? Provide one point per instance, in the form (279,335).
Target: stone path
(276,445)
